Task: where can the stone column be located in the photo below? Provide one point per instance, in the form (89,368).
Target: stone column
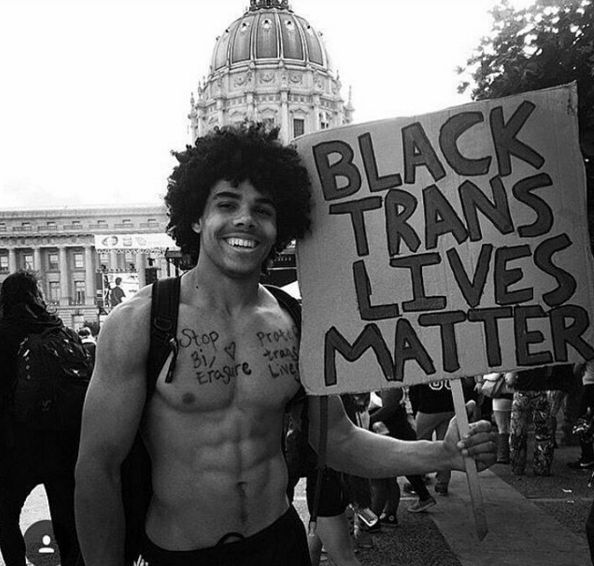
(113,260)
(286,126)
(37,260)
(12,263)
(64,276)
(140,265)
(221,111)
(90,285)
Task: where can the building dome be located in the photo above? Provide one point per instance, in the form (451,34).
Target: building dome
(270,65)
(268,32)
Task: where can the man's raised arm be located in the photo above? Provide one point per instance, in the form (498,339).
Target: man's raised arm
(366,454)
(111,416)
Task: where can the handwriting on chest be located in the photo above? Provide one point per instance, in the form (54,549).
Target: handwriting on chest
(215,359)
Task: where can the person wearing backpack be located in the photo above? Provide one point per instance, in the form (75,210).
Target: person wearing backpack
(39,415)
(213,422)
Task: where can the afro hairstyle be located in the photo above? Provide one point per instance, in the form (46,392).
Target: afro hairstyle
(247,152)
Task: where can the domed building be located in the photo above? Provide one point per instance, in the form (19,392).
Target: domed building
(270,65)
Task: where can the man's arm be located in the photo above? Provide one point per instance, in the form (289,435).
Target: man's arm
(111,416)
(363,453)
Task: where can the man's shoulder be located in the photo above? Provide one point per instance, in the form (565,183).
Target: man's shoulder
(280,301)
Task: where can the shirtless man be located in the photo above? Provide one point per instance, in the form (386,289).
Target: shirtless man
(219,476)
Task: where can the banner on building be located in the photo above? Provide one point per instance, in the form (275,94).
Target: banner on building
(137,243)
(449,244)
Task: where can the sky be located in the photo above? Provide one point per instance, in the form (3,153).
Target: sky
(94,94)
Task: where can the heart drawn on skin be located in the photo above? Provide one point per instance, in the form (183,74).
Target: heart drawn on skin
(230,350)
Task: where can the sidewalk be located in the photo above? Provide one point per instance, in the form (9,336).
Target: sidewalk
(520,532)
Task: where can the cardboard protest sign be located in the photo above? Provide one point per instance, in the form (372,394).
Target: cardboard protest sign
(449,244)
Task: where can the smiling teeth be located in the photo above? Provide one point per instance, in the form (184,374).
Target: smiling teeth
(241,243)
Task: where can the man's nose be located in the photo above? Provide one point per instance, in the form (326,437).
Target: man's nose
(244,217)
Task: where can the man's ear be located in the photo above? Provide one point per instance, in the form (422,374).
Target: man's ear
(196,226)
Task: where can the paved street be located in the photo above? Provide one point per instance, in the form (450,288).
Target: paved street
(532,522)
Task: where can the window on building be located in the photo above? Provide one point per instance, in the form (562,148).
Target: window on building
(51,225)
(101,223)
(104,258)
(79,292)
(129,258)
(26,226)
(2,226)
(126,221)
(28,261)
(152,222)
(4,263)
(54,291)
(298,127)
(53,262)
(78,259)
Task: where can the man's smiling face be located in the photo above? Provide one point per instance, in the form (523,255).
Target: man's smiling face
(237,229)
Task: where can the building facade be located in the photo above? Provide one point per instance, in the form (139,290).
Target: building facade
(269,65)
(73,253)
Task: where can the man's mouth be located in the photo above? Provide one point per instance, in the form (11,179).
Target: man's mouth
(241,243)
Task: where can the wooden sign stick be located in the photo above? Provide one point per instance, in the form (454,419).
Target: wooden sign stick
(474,487)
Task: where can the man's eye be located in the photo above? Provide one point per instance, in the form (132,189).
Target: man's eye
(265,211)
(226,205)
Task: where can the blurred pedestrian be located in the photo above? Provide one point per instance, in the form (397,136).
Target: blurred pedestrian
(391,419)
(88,342)
(531,404)
(32,450)
(584,428)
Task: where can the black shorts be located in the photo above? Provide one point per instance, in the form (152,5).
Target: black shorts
(284,543)
(333,497)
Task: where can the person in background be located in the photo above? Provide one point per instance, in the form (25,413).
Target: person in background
(500,408)
(117,295)
(88,342)
(434,408)
(586,411)
(332,527)
(531,403)
(30,456)
(391,418)
(365,521)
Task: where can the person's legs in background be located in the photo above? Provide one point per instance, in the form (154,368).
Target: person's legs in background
(544,445)
(585,434)
(385,499)
(502,415)
(556,401)
(14,490)
(333,534)
(332,527)
(518,432)
(60,495)
(442,478)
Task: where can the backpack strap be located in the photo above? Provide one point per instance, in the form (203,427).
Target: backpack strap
(163,340)
(293,307)
(288,302)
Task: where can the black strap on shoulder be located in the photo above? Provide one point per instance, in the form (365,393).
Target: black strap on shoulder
(288,302)
(164,308)
(293,307)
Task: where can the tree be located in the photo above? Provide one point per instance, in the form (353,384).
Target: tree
(549,43)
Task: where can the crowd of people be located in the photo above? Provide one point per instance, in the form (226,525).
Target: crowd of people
(213,420)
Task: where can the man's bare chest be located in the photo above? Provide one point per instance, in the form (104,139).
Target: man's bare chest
(244,363)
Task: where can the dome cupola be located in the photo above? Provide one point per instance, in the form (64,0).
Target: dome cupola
(270,65)
(268,32)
